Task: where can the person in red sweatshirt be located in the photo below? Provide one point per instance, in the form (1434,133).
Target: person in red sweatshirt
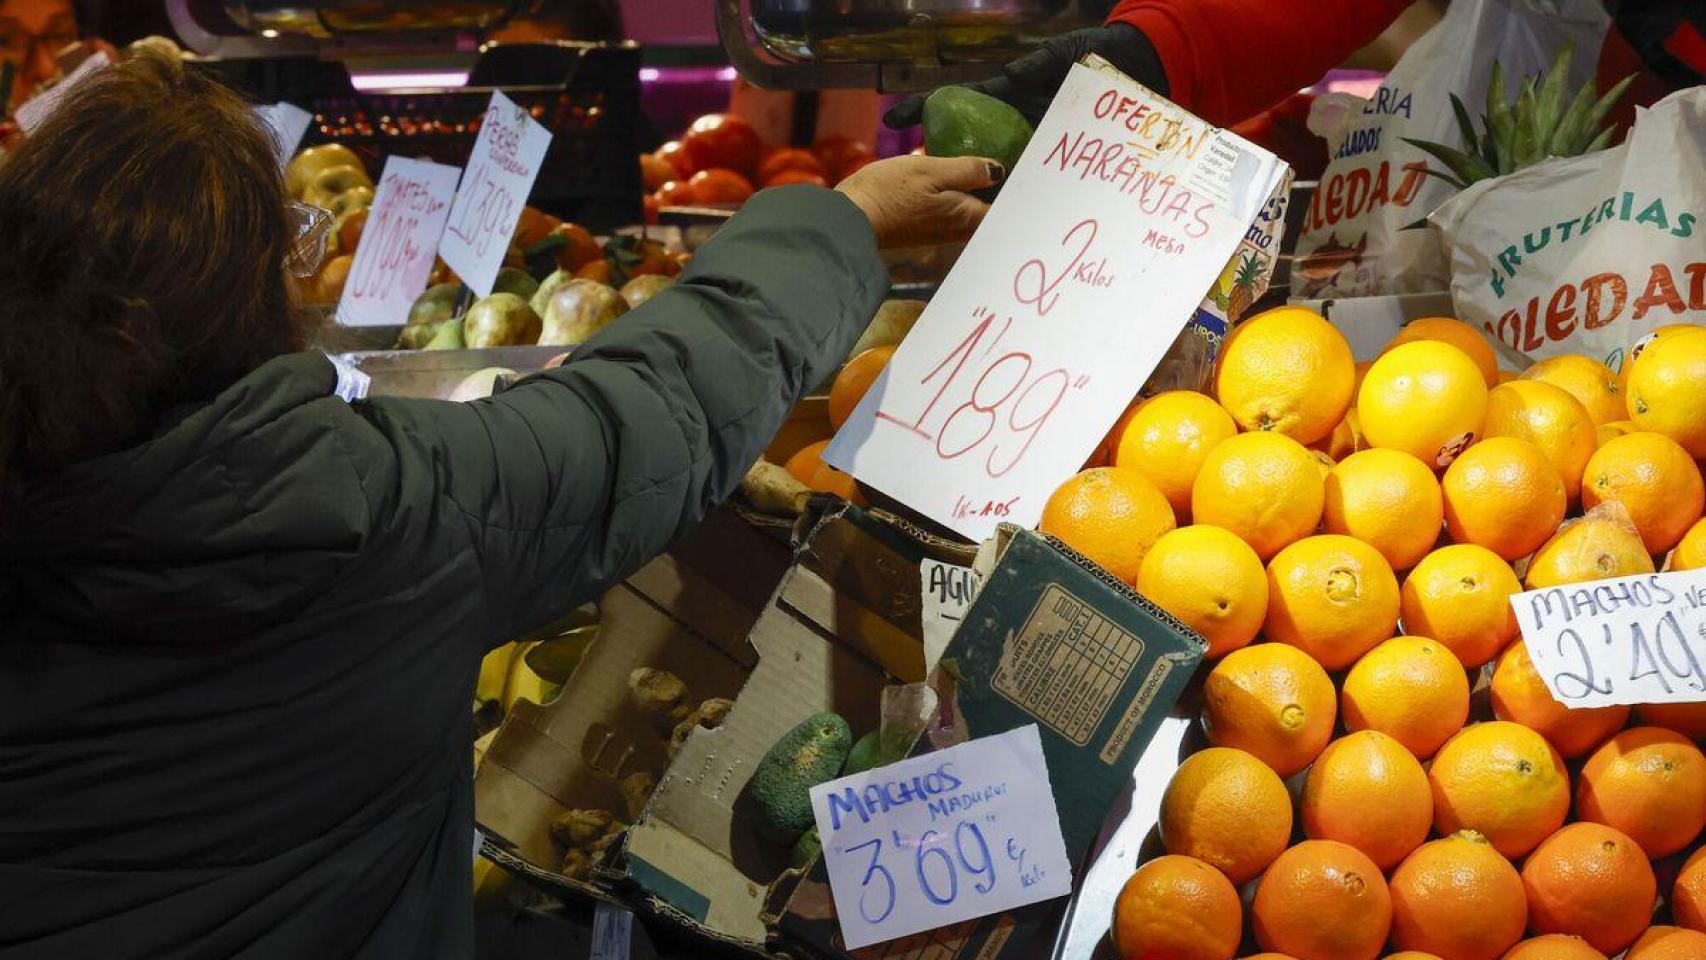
(1241,62)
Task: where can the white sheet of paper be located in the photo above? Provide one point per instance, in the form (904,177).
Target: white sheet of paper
(394,258)
(495,186)
(1110,229)
(1626,640)
(947,590)
(940,838)
(32,112)
(288,122)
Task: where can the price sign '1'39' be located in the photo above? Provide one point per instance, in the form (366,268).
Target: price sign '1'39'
(940,838)
(1627,640)
(394,258)
(495,187)
(1117,219)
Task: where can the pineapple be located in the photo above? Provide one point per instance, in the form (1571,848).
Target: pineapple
(1243,288)
(1537,126)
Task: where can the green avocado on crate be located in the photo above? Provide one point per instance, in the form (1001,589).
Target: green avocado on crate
(959,122)
(812,753)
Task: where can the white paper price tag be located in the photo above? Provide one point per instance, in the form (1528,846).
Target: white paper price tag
(612,932)
(495,187)
(949,836)
(1120,215)
(946,590)
(32,112)
(1627,640)
(394,258)
(288,122)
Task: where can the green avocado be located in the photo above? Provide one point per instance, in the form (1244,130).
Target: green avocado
(810,754)
(960,122)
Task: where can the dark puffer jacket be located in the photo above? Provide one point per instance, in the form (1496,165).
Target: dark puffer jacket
(237,660)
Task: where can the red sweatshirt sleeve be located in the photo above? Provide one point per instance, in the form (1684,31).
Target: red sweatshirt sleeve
(1227,60)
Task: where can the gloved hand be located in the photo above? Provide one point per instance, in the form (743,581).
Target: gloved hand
(1030,82)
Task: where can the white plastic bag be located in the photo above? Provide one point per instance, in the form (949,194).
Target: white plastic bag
(1353,242)
(1588,254)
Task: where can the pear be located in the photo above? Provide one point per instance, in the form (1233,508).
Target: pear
(478,385)
(644,287)
(331,181)
(542,297)
(351,200)
(500,320)
(309,162)
(579,309)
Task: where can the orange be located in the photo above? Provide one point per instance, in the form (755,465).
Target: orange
(1412,955)
(1592,881)
(1655,480)
(1503,781)
(808,467)
(1112,515)
(1460,596)
(1271,701)
(1688,719)
(1388,500)
(1227,809)
(1554,946)
(1607,432)
(1457,333)
(1367,791)
(1626,360)
(1591,548)
(1177,908)
(1594,384)
(1650,783)
(1505,495)
(1411,689)
(1688,895)
(1690,554)
(1265,488)
(1167,438)
(1288,371)
(1668,943)
(1549,418)
(1459,899)
(1333,597)
(1322,900)
(1520,696)
(1339,444)
(1425,398)
(853,381)
(1210,580)
(1667,389)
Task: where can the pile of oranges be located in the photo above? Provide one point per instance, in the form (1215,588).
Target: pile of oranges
(1388,775)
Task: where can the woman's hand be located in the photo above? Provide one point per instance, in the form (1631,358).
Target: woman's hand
(916,201)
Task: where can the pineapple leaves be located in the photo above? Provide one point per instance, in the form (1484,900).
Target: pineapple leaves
(1466,169)
(1550,100)
(1602,109)
(1567,138)
(1471,143)
(1525,148)
(1500,124)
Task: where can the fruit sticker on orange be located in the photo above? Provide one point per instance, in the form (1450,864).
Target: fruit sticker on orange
(495,186)
(1123,209)
(941,838)
(1626,640)
(393,259)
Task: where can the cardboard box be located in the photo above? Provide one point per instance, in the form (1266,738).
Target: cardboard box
(1050,640)
(1055,641)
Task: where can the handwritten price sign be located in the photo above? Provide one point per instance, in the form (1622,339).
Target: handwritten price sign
(495,187)
(933,840)
(1639,639)
(394,258)
(1122,212)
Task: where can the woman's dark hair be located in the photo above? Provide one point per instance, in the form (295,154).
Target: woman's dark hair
(142,245)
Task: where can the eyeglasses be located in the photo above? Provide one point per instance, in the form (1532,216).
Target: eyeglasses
(310,226)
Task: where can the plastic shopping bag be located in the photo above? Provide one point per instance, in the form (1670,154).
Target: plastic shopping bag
(1354,242)
(1588,254)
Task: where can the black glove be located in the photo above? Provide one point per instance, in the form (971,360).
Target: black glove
(1030,82)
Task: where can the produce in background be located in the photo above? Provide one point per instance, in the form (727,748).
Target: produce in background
(1549,418)
(643,288)
(808,467)
(1322,899)
(1410,689)
(1457,897)
(854,381)
(479,384)
(1112,515)
(1593,882)
(1368,792)
(431,309)
(577,310)
(500,320)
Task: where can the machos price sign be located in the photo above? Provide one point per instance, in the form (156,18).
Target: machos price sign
(1122,212)
(1627,640)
